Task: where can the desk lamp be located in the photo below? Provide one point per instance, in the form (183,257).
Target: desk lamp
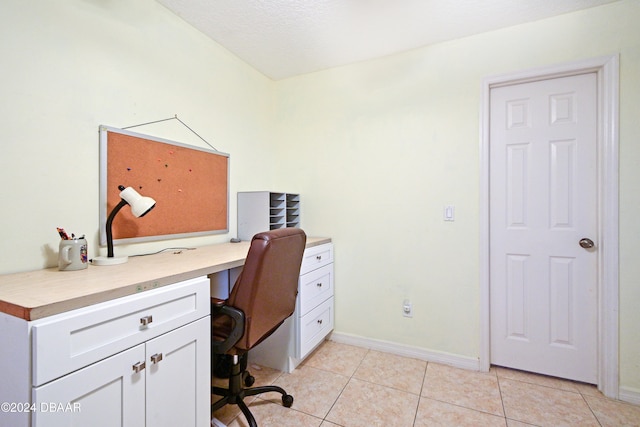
(140,206)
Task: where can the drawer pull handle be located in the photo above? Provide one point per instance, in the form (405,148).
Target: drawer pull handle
(319,284)
(319,257)
(319,321)
(144,321)
(156,358)
(139,367)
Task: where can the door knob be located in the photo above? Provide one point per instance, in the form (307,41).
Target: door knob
(586,243)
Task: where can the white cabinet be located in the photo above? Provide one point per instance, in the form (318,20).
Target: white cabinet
(260,211)
(138,360)
(314,307)
(153,384)
(90,334)
(312,320)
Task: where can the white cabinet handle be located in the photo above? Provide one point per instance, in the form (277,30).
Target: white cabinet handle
(139,367)
(319,284)
(319,321)
(156,358)
(144,321)
(319,257)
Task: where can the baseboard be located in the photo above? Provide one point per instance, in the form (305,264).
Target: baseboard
(454,360)
(630,395)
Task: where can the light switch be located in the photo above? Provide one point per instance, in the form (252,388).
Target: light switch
(449,213)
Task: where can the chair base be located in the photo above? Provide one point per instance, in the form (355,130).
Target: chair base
(236,392)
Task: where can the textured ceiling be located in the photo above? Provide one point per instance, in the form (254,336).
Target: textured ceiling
(284,38)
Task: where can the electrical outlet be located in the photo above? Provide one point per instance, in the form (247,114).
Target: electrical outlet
(407,308)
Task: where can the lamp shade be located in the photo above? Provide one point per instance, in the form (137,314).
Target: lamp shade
(140,205)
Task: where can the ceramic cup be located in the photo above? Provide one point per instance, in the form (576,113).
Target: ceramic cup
(72,255)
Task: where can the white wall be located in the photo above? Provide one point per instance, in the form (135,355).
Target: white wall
(69,66)
(382,146)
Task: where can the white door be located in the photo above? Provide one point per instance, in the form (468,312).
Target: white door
(543,202)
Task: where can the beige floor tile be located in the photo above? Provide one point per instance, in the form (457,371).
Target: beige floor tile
(268,414)
(514,423)
(612,413)
(342,359)
(314,391)
(228,412)
(364,404)
(432,413)
(474,390)
(382,392)
(589,390)
(263,376)
(529,377)
(544,406)
(386,369)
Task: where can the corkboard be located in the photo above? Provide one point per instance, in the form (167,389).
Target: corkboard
(190,186)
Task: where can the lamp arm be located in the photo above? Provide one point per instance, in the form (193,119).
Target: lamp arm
(112,215)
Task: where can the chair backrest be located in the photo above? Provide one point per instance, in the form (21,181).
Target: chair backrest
(266,289)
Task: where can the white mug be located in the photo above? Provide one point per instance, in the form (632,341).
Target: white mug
(72,255)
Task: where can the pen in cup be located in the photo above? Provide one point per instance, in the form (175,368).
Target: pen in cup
(63,234)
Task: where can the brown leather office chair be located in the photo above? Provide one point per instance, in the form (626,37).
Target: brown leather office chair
(262,298)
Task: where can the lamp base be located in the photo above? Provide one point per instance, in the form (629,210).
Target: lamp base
(103,260)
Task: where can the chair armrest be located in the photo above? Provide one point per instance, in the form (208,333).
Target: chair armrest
(221,347)
(216,302)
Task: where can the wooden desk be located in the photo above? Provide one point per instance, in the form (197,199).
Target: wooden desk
(36,294)
(70,335)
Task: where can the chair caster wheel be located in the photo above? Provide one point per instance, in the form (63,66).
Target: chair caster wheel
(249,380)
(287,400)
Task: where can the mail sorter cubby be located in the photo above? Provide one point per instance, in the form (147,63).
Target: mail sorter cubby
(265,210)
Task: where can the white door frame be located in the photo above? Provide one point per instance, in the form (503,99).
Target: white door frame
(606,69)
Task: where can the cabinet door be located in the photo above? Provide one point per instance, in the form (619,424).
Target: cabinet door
(108,393)
(179,377)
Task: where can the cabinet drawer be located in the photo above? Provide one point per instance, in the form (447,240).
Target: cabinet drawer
(316,257)
(314,288)
(69,341)
(314,327)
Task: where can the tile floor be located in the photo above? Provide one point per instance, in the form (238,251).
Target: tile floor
(343,385)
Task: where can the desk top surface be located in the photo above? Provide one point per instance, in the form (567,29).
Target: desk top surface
(36,294)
